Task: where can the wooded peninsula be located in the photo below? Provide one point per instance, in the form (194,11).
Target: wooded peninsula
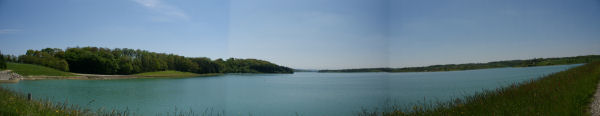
(473,66)
(97,60)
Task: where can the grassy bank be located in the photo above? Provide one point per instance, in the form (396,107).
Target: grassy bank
(173,74)
(14,104)
(564,93)
(35,70)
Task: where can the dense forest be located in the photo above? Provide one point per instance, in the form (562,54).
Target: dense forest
(95,60)
(471,66)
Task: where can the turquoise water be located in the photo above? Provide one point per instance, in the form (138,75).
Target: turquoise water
(303,93)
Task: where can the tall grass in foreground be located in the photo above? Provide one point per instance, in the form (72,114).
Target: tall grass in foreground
(14,104)
(564,93)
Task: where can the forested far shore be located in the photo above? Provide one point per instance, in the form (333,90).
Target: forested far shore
(472,66)
(97,60)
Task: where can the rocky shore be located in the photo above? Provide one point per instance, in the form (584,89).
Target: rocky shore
(7,76)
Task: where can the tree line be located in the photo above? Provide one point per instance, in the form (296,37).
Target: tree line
(96,60)
(472,66)
(2,61)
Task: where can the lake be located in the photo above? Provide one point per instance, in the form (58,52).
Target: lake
(303,93)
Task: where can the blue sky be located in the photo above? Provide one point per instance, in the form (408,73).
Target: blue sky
(427,32)
(191,28)
(312,34)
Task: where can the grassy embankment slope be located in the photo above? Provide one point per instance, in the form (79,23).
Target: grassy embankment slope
(35,70)
(174,74)
(565,93)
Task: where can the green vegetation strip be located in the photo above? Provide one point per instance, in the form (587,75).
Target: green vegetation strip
(35,70)
(566,93)
(173,74)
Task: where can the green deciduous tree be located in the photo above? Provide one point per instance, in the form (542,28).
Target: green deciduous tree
(50,57)
(128,61)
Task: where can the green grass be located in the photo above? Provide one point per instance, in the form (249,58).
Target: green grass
(35,70)
(173,74)
(565,93)
(15,104)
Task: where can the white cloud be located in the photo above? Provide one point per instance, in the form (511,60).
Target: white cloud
(167,12)
(9,31)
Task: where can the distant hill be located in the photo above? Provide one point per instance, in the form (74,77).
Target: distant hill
(472,66)
(305,70)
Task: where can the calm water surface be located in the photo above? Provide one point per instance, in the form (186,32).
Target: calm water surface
(304,93)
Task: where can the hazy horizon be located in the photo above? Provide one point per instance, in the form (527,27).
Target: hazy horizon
(312,34)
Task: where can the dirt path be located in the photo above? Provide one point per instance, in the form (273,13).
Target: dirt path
(595,108)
